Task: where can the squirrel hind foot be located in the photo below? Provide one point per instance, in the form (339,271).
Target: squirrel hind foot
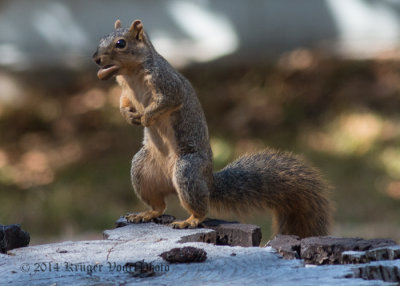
(191,222)
(145,216)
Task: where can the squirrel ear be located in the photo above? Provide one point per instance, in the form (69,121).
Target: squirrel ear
(117,24)
(137,29)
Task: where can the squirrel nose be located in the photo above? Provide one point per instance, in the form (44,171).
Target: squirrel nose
(96,58)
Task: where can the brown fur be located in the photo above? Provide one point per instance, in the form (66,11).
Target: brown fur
(296,192)
(176,154)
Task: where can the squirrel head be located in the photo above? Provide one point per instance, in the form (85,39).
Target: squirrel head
(122,51)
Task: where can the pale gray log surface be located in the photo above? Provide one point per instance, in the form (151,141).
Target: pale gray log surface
(225,265)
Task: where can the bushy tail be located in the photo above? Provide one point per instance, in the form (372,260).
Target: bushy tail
(296,193)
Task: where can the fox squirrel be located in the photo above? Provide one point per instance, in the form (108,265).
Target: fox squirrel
(176,156)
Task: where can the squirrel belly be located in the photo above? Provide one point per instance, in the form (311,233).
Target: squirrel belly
(296,192)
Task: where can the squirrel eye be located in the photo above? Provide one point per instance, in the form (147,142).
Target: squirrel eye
(120,44)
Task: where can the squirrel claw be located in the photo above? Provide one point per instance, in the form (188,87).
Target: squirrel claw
(142,217)
(179,225)
(132,117)
(191,222)
(133,218)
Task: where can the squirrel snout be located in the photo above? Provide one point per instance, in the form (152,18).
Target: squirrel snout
(96,58)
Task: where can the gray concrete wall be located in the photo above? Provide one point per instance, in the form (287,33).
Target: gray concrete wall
(65,33)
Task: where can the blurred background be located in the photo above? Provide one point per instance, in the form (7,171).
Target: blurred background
(320,78)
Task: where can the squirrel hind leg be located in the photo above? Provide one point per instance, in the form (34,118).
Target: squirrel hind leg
(158,207)
(191,184)
(191,222)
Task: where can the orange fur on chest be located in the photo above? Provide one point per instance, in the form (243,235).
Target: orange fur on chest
(134,93)
(159,138)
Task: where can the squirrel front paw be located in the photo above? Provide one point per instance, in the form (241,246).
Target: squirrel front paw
(132,116)
(146,120)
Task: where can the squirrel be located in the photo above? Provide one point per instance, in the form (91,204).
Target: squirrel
(176,156)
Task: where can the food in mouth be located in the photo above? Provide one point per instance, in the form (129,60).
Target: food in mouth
(107,71)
